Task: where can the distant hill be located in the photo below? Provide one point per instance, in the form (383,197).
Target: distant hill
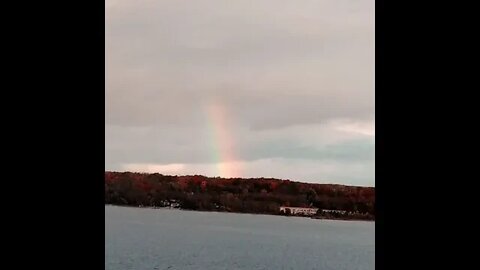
(252,195)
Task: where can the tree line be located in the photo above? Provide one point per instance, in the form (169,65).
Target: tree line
(252,195)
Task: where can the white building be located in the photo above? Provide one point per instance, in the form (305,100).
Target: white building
(307,211)
(334,211)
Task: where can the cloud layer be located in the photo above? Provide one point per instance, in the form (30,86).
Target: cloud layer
(295,79)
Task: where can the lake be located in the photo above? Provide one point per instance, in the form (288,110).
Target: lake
(142,238)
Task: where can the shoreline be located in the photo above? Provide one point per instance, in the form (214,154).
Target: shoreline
(227,212)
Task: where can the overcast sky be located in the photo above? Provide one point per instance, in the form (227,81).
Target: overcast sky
(251,88)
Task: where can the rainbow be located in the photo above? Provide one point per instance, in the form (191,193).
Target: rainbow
(222,141)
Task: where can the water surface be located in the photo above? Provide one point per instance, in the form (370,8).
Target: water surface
(140,239)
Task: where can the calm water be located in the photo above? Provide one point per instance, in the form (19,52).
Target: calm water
(173,239)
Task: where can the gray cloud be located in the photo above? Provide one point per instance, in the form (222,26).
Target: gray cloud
(283,70)
(350,151)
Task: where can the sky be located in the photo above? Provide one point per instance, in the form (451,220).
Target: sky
(242,88)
